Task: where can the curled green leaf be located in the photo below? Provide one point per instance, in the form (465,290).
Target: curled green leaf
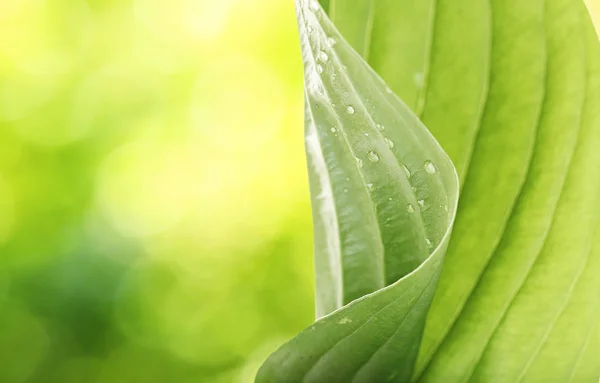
(384,197)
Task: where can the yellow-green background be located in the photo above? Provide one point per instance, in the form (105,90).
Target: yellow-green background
(154,210)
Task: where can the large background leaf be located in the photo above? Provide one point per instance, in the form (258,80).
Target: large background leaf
(510,89)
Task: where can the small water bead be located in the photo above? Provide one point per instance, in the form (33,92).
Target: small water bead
(421,203)
(373,157)
(414,189)
(322,56)
(410,208)
(309,29)
(350,110)
(345,320)
(331,41)
(359,162)
(389,142)
(428,242)
(406,171)
(319,69)
(380,127)
(419,79)
(314,6)
(430,167)
(370,186)
(333,130)
(367,134)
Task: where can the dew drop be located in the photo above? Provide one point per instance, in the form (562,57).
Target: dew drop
(370,186)
(350,110)
(331,41)
(388,90)
(367,134)
(406,171)
(322,56)
(421,203)
(373,157)
(389,142)
(428,242)
(430,167)
(314,6)
(390,199)
(309,29)
(319,69)
(410,208)
(419,79)
(359,162)
(380,127)
(333,130)
(414,189)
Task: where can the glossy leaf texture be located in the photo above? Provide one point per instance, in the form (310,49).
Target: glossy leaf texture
(384,197)
(511,89)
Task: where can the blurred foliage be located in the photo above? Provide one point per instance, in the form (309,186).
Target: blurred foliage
(154,212)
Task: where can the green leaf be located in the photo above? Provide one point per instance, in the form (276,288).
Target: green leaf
(511,90)
(384,197)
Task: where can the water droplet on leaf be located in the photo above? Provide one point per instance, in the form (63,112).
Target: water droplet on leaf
(322,56)
(389,142)
(373,157)
(406,171)
(430,167)
(419,79)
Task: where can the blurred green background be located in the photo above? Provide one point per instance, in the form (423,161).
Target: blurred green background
(154,210)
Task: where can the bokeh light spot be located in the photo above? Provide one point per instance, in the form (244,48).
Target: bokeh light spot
(227,102)
(144,188)
(7,207)
(184,19)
